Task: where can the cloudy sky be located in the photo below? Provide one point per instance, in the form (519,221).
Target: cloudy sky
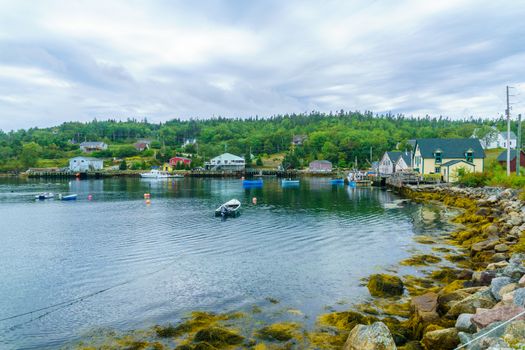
(79,60)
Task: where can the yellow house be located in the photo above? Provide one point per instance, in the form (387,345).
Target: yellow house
(167,167)
(447,156)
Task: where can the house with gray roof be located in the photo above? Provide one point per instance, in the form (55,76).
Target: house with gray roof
(90,146)
(443,156)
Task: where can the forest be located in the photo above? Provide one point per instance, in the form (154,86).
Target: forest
(342,138)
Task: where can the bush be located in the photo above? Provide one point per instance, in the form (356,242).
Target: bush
(468,179)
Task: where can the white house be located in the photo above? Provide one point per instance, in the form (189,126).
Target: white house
(227,161)
(404,162)
(93,146)
(83,164)
(387,164)
(496,139)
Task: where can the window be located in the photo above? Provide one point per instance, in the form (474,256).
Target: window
(469,157)
(437,170)
(437,156)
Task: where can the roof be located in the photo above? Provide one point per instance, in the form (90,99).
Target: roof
(504,135)
(394,155)
(450,148)
(92,143)
(456,161)
(87,158)
(321,161)
(228,156)
(503,155)
(407,157)
(179,157)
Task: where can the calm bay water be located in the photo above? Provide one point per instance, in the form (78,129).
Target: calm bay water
(307,247)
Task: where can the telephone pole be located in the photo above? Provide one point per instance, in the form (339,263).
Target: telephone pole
(518,147)
(507,112)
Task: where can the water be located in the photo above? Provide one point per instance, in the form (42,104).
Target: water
(307,247)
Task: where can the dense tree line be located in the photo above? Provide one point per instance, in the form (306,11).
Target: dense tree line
(341,138)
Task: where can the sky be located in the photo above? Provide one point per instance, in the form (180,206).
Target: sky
(84,59)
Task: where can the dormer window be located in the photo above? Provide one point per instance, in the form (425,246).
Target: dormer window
(469,156)
(437,156)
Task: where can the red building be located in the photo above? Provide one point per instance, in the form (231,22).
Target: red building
(175,160)
(502,159)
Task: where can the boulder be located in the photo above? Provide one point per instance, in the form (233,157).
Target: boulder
(499,257)
(423,310)
(519,297)
(501,248)
(492,230)
(445,339)
(507,289)
(373,337)
(515,270)
(484,245)
(514,219)
(508,298)
(464,323)
(521,282)
(483,278)
(383,285)
(497,265)
(485,317)
(481,299)
(496,284)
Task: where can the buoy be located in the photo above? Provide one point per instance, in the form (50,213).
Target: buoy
(148,202)
(90,197)
(254,200)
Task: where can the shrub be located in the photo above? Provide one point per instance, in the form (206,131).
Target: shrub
(469,179)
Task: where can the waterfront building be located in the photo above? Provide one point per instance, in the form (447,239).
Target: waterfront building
(320,166)
(83,164)
(502,159)
(447,156)
(226,161)
(182,160)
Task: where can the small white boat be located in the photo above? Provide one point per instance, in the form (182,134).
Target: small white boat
(157,174)
(69,197)
(45,195)
(231,208)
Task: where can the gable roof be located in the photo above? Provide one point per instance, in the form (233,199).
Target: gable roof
(407,157)
(92,143)
(394,155)
(228,156)
(450,148)
(503,155)
(504,135)
(456,161)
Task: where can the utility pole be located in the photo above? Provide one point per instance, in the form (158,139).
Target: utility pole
(518,147)
(507,112)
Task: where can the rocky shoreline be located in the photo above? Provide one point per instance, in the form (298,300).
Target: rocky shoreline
(480,304)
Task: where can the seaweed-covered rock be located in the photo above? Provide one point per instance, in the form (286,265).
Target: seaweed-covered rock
(481,299)
(423,312)
(515,334)
(345,320)
(278,331)
(445,339)
(484,245)
(498,283)
(483,278)
(218,336)
(373,337)
(383,285)
(464,323)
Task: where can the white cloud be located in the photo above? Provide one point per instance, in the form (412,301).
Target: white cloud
(83,59)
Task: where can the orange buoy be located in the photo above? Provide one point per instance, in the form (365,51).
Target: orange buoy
(148,202)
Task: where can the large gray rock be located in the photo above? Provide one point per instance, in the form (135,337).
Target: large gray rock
(481,299)
(373,337)
(484,245)
(515,268)
(519,297)
(464,323)
(496,284)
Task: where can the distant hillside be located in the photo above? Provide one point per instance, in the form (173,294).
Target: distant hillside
(339,138)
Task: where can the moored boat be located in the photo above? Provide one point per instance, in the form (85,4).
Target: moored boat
(252,183)
(69,197)
(231,208)
(158,174)
(289,182)
(45,195)
(337,181)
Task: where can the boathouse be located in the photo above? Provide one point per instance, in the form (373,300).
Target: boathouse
(320,166)
(387,165)
(179,160)
(83,164)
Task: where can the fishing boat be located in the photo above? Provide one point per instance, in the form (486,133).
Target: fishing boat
(45,195)
(289,182)
(358,178)
(231,208)
(157,174)
(337,181)
(69,197)
(252,183)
